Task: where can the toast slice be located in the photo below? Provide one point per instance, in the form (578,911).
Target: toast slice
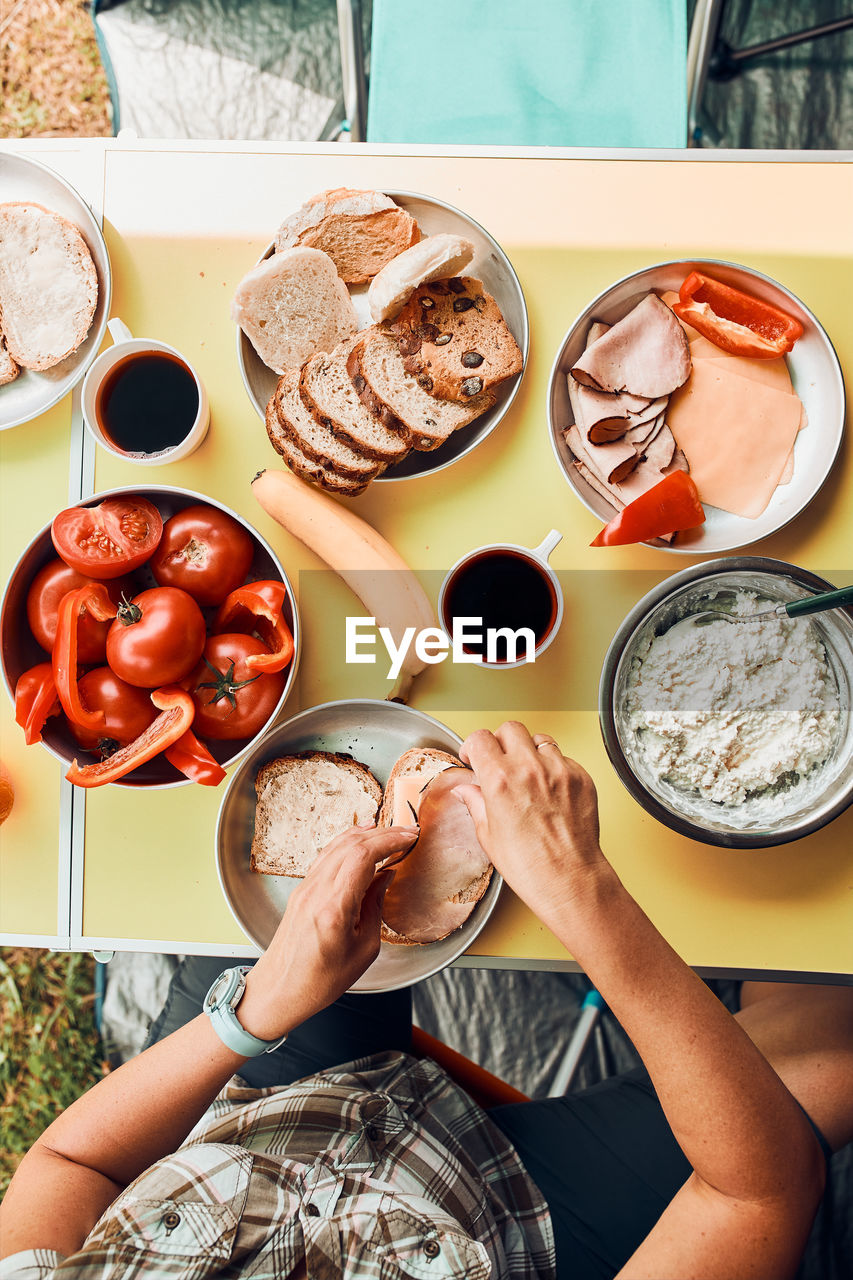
(304,801)
(8,369)
(314,437)
(452,336)
(377,372)
(292,305)
(48,286)
(329,394)
(361,231)
(306,468)
(411,773)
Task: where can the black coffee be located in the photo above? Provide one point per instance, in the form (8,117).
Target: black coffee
(505,589)
(148,402)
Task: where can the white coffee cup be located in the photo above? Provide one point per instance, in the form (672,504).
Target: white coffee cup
(125,345)
(537,558)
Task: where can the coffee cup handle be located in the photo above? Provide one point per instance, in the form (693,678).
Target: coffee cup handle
(119,331)
(547,545)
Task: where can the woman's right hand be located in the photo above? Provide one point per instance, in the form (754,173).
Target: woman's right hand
(536,814)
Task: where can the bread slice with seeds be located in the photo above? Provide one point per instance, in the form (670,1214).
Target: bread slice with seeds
(329,394)
(307,468)
(304,801)
(453,337)
(316,438)
(376,370)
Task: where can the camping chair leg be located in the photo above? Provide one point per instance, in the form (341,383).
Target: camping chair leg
(590,1009)
(703,36)
(352,67)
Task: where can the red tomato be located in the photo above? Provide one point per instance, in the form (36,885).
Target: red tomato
(127,711)
(231,700)
(157,639)
(205,552)
(46,590)
(111,538)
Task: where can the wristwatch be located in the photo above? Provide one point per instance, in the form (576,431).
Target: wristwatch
(220,1004)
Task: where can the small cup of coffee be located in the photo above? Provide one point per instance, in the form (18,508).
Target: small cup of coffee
(503,602)
(143,400)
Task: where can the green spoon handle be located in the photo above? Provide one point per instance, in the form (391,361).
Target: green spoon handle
(816,604)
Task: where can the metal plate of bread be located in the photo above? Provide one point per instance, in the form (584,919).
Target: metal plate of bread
(32,393)
(491,265)
(375,733)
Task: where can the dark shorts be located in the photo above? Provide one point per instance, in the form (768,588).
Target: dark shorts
(604,1158)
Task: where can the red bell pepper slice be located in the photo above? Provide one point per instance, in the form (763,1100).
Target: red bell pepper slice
(35,700)
(192,758)
(735,321)
(176,708)
(95,599)
(258,607)
(671,505)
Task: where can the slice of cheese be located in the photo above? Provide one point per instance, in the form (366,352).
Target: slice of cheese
(407,792)
(736,434)
(773,373)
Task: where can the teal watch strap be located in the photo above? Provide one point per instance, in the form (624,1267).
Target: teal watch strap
(220,1005)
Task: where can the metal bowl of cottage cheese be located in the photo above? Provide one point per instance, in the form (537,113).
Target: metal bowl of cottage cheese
(735,735)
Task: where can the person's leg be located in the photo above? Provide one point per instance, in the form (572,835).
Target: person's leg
(353,1027)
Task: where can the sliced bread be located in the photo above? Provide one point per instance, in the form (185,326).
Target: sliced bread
(48,286)
(292,305)
(453,337)
(307,468)
(304,801)
(376,370)
(361,231)
(435,258)
(8,369)
(316,438)
(329,394)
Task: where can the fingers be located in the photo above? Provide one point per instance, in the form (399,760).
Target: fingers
(373,901)
(370,843)
(515,738)
(472,797)
(480,750)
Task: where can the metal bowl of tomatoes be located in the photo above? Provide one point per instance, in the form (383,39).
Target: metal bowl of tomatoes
(152,628)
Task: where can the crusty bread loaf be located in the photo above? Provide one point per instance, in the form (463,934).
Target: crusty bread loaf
(48,285)
(307,468)
(435,258)
(329,394)
(376,370)
(453,337)
(292,305)
(419,762)
(361,231)
(8,369)
(304,801)
(315,437)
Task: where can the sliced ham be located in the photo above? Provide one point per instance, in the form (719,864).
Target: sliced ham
(645,354)
(438,885)
(611,462)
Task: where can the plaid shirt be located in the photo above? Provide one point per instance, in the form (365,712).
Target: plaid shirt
(381,1169)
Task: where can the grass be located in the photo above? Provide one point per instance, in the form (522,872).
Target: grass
(50,1050)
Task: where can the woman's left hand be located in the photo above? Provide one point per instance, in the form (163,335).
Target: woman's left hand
(328,935)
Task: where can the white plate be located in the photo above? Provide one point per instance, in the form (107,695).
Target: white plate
(377,734)
(489,264)
(33,393)
(815,373)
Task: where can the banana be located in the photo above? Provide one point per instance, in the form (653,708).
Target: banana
(368,564)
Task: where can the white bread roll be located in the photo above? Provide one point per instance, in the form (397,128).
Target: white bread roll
(292,305)
(48,285)
(435,258)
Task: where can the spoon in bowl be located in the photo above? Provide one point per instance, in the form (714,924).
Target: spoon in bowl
(794,608)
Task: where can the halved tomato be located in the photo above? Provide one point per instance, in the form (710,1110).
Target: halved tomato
(114,537)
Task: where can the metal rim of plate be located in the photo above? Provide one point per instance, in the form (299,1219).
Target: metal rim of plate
(32,393)
(376,733)
(19,650)
(815,373)
(490,264)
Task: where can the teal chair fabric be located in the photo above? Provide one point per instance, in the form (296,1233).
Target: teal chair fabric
(576,73)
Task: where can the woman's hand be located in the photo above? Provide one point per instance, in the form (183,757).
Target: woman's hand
(536,814)
(328,935)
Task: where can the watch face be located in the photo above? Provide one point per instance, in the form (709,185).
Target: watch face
(219,989)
